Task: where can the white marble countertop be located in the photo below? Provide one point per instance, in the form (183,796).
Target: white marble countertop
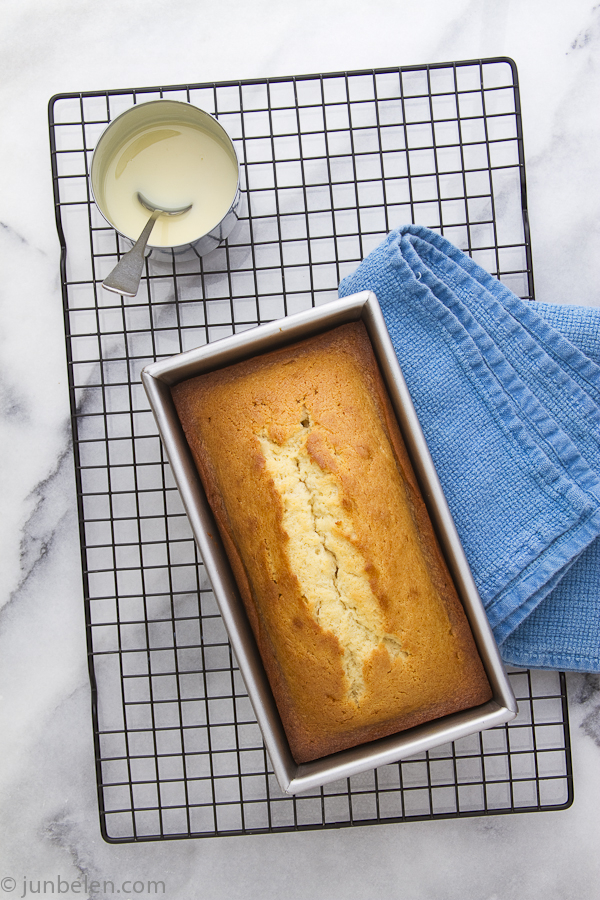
(48,811)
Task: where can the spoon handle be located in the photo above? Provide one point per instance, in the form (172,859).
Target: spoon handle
(126,275)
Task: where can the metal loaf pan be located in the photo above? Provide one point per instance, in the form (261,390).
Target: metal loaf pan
(158,379)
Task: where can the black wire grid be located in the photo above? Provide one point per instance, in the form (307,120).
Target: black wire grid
(329,164)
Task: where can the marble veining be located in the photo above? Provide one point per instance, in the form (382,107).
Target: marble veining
(589,33)
(13,406)
(48,805)
(45,520)
(585,693)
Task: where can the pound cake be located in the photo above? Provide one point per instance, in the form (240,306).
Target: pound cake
(358,623)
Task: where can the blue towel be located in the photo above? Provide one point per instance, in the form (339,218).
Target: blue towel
(508,394)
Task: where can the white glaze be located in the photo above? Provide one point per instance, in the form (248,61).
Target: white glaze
(173,166)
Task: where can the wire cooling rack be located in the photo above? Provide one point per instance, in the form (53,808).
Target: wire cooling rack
(329,164)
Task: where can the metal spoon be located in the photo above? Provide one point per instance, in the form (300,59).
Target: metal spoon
(126,275)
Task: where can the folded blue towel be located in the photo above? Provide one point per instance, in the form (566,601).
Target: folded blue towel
(508,394)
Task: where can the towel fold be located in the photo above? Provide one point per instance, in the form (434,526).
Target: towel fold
(508,394)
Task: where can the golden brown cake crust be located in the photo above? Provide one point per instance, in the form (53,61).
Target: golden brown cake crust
(356,618)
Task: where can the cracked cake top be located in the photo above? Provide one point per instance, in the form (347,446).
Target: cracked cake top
(355,615)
